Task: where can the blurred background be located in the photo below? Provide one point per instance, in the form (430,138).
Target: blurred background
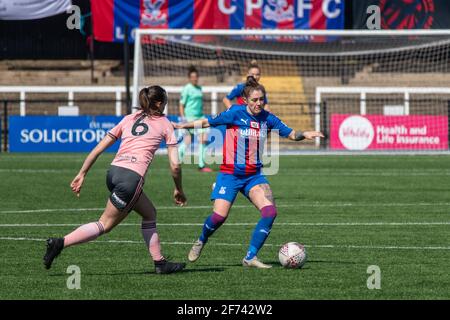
(375,78)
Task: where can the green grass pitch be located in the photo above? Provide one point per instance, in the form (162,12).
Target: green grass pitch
(351,212)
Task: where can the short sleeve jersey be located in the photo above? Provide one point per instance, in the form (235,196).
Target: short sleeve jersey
(141,136)
(244,139)
(192,99)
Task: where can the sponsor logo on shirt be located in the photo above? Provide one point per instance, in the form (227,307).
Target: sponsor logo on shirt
(122,157)
(250,132)
(254,124)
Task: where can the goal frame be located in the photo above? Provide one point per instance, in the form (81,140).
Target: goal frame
(264,32)
(313,32)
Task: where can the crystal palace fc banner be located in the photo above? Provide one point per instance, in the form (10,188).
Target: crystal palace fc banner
(110,16)
(32,9)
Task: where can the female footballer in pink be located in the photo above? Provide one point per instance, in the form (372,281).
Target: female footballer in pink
(141,135)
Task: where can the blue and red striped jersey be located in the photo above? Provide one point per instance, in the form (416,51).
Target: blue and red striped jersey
(244,138)
(238,93)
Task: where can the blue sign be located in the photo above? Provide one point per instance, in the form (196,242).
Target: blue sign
(76,134)
(59,134)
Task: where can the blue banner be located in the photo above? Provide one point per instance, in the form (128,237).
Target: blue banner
(74,134)
(59,134)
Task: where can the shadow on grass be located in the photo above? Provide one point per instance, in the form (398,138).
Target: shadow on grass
(220,267)
(119,273)
(276,264)
(152,272)
(331,262)
(273,263)
(209,269)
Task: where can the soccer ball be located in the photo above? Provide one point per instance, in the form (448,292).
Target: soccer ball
(292,255)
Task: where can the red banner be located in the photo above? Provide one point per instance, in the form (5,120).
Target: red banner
(379,132)
(110,16)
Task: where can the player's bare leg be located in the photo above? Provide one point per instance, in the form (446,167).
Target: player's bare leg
(202,139)
(184,145)
(145,208)
(261,196)
(109,219)
(212,223)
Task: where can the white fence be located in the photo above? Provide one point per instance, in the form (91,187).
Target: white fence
(118,91)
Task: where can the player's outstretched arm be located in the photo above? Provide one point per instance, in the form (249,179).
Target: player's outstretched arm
(77,182)
(308,135)
(175,168)
(197,124)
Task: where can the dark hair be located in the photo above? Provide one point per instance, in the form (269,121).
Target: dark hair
(191,70)
(148,97)
(251,85)
(253,64)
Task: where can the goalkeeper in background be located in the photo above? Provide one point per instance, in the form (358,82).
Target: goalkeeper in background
(238,91)
(191,109)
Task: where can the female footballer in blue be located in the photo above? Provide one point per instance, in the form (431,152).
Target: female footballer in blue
(247,127)
(238,91)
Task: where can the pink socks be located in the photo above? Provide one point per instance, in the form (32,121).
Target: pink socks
(84,233)
(151,238)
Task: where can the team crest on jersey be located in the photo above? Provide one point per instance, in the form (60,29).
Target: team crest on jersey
(254,124)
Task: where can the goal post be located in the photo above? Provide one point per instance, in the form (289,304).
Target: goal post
(404,74)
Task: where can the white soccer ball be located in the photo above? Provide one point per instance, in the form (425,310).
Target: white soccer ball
(292,255)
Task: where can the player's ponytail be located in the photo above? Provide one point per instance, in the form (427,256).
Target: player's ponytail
(149,96)
(251,85)
(253,64)
(191,70)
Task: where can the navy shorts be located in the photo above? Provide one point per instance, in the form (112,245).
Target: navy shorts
(125,186)
(228,185)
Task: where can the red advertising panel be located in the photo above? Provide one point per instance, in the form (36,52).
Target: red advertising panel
(379,132)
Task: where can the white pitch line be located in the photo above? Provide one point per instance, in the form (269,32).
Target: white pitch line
(157,208)
(35,170)
(74,172)
(315,204)
(331,246)
(52,210)
(306,172)
(309,224)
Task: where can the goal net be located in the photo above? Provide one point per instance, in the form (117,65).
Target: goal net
(366,90)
